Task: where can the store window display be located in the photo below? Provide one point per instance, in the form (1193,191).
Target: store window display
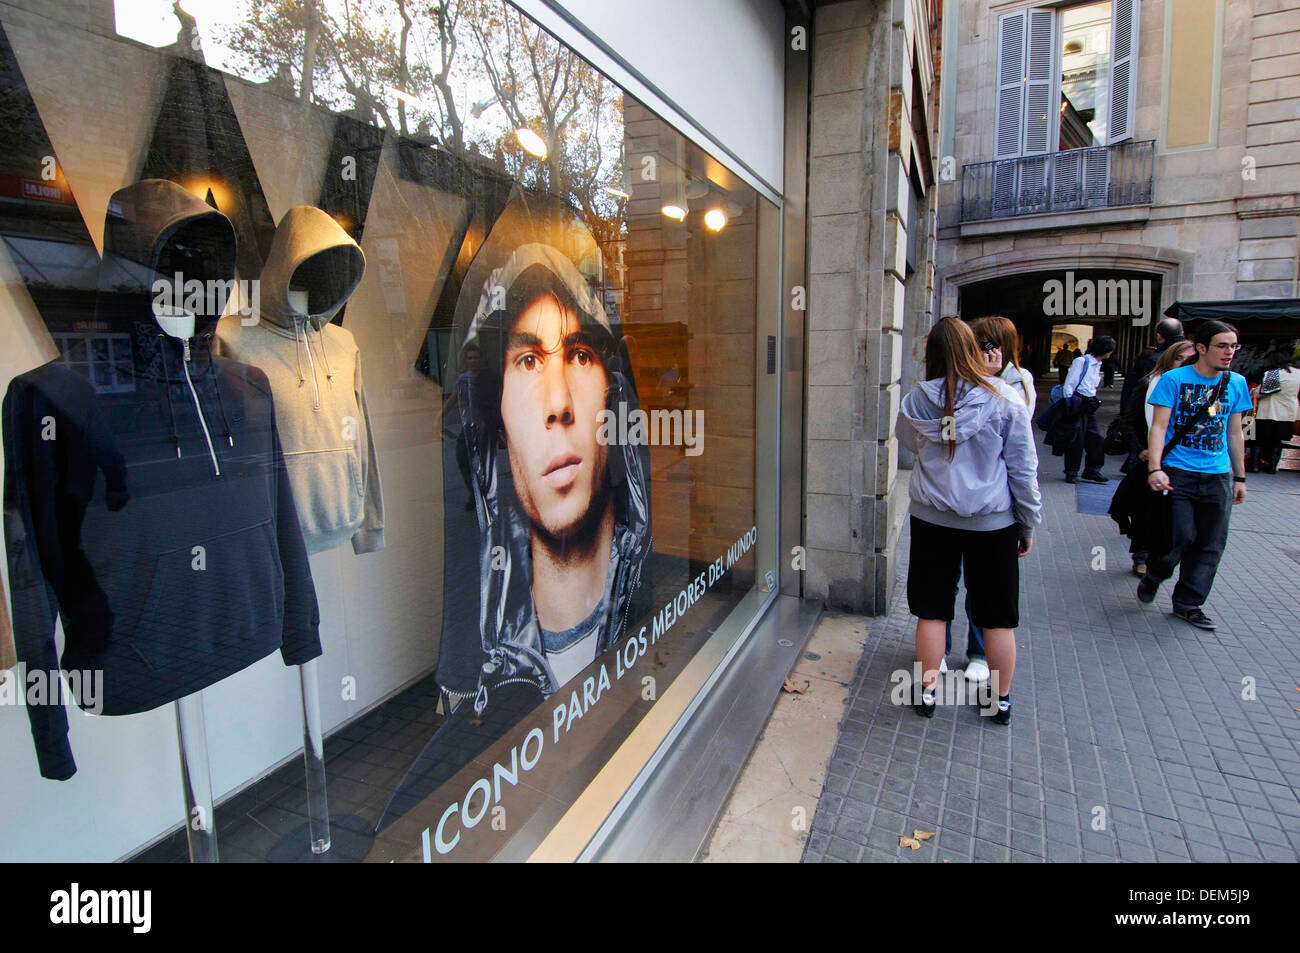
(422,289)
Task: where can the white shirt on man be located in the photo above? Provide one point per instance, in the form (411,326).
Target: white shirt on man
(1084,377)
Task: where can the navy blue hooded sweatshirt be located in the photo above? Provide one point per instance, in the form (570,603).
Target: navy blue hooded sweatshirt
(185,562)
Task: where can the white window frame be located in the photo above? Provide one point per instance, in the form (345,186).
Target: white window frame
(997,13)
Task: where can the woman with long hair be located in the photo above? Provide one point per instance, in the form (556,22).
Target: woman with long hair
(1000,343)
(975,500)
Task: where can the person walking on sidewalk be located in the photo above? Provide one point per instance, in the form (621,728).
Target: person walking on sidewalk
(1202,466)
(1168,331)
(974,503)
(1000,347)
(1082,381)
(1062,363)
(1275,419)
(1134,506)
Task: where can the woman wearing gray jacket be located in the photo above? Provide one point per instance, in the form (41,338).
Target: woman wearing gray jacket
(974,492)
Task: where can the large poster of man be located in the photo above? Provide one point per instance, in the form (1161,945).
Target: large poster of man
(547,524)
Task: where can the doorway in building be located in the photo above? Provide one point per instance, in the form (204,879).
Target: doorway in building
(1051,308)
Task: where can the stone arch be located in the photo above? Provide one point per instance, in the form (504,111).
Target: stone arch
(1174,266)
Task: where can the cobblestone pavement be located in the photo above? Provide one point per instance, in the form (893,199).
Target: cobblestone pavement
(1135,737)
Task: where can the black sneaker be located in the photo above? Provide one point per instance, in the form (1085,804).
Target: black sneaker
(1147,590)
(1196,617)
(1090,476)
(1002,712)
(925,707)
(1071,478)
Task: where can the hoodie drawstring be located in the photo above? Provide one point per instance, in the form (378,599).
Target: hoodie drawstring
(306,340)
(297,353)
(216,385)
(324,354)
(173,436)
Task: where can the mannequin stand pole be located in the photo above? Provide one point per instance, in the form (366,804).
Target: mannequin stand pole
(313,754)
(196,780)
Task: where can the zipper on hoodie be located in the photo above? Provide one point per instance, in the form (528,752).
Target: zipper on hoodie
(198,409)
(315,387)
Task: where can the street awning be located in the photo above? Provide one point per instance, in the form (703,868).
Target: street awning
(1235,310)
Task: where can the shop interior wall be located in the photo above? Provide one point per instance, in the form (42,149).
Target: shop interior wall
(98,97)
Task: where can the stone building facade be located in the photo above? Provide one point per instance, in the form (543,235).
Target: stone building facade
(871,209)
(1213,137)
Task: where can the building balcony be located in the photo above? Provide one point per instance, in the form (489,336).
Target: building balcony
(1098,177)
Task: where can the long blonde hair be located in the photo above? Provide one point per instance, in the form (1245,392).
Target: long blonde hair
(1002,332)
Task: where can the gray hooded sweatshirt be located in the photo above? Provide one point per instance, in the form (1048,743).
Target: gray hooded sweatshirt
(315,372)
(992,479)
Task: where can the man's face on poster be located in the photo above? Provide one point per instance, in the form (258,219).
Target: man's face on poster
(553,389)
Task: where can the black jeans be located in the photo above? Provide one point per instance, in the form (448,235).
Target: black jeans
(1201,505)
(1088,440)
(1270,434)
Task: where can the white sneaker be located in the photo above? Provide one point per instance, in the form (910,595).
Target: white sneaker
(943,665)
(977,670)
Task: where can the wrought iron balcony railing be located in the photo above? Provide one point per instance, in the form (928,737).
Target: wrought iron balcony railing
(1095,177)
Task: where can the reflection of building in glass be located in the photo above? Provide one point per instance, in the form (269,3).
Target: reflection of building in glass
(101,357)
(1085,74)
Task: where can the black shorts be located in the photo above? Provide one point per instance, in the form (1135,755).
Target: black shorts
(992,570)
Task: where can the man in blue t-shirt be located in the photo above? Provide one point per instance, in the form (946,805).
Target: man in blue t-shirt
(1203,472)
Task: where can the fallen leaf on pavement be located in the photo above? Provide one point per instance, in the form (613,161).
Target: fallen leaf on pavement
(922,835)
(796,688)
(912,842)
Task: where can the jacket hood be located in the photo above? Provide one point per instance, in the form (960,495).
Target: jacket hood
(310,252)
(157,231)
(923,407)
(531,251)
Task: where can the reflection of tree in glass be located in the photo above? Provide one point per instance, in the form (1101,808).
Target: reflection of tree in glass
(356,55)
(398,62)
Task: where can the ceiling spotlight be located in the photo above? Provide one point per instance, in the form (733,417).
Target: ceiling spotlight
(616,192)
(715,219)
(532,142)
(675,212)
